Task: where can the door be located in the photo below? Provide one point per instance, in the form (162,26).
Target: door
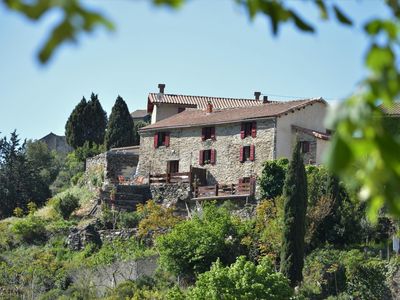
(173,166)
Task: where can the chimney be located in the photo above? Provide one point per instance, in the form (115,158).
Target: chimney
(257,95)
(161,86)
(209,107)
(265,100)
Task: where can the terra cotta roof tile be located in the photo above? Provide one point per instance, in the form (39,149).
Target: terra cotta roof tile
(199,117)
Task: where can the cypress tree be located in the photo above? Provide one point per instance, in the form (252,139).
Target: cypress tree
(95,121)
(75,126)
(295,206)
(120,126)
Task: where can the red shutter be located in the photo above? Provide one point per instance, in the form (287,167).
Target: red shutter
(166,139)
(213,156)
(252,152)
(241,159)
(242,131)
(203,134)
(213,133)
(156,140)
(201,157)
(254,129)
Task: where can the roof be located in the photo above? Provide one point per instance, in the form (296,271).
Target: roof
(139,113)
(191,118)
(318,134)
(199,102)
(393,110)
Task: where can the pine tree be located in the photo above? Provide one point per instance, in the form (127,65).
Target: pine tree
(95,121)
(120,126)
(75,126)
(295,196)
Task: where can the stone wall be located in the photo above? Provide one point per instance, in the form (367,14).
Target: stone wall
(311,156)
(170,193)
(106,277)
(114,164)
(186,143)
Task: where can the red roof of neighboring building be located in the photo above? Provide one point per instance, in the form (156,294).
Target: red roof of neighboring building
(317,134)
(197,117)
(199,102)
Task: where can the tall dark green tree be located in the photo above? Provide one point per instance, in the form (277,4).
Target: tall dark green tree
(87,123)
(75,126)
(120,126)
(20,181)
(295,207)
(95,121)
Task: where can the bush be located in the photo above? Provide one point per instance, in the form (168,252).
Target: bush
(193,245)
(128,219)
(66,204)
(242,280)
(331,272)
(273,177)
(155,219)
(30,230)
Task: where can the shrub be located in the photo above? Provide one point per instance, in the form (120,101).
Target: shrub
(128,219)
(331,272)
(155,218)
(193,245)
(269,226)
(273,177)
(242,280)
(66,204)
(30,230)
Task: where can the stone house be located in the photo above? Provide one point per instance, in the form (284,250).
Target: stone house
(57,143)
(231,138)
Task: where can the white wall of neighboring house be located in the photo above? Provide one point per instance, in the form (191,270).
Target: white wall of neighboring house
(322,145)
(310,117)
(162,111)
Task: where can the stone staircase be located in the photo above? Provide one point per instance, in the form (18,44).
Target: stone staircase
(127,197)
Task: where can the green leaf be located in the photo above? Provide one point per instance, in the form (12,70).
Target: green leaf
(339,155)
(300,23)
(379,58)
(341,17)
(322,9)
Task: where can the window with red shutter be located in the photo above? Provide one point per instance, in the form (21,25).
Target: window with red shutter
(213,156)
(242,133)
(252,152)
(246,153)
(201,157)
(213,133)
(166,139)
(156,140)
(207,133)
(248,129)
(241,159)
(254,129)
(161,139)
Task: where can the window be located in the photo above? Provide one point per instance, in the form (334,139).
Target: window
(161,139)
(181,109)
(247,153)
(173,166)
(248,129)
(207,133)
(304,146)
(207,157)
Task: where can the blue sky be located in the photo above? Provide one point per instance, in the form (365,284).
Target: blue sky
(208,47)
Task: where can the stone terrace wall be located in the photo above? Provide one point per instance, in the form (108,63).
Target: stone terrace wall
(114,164)
(186,143)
